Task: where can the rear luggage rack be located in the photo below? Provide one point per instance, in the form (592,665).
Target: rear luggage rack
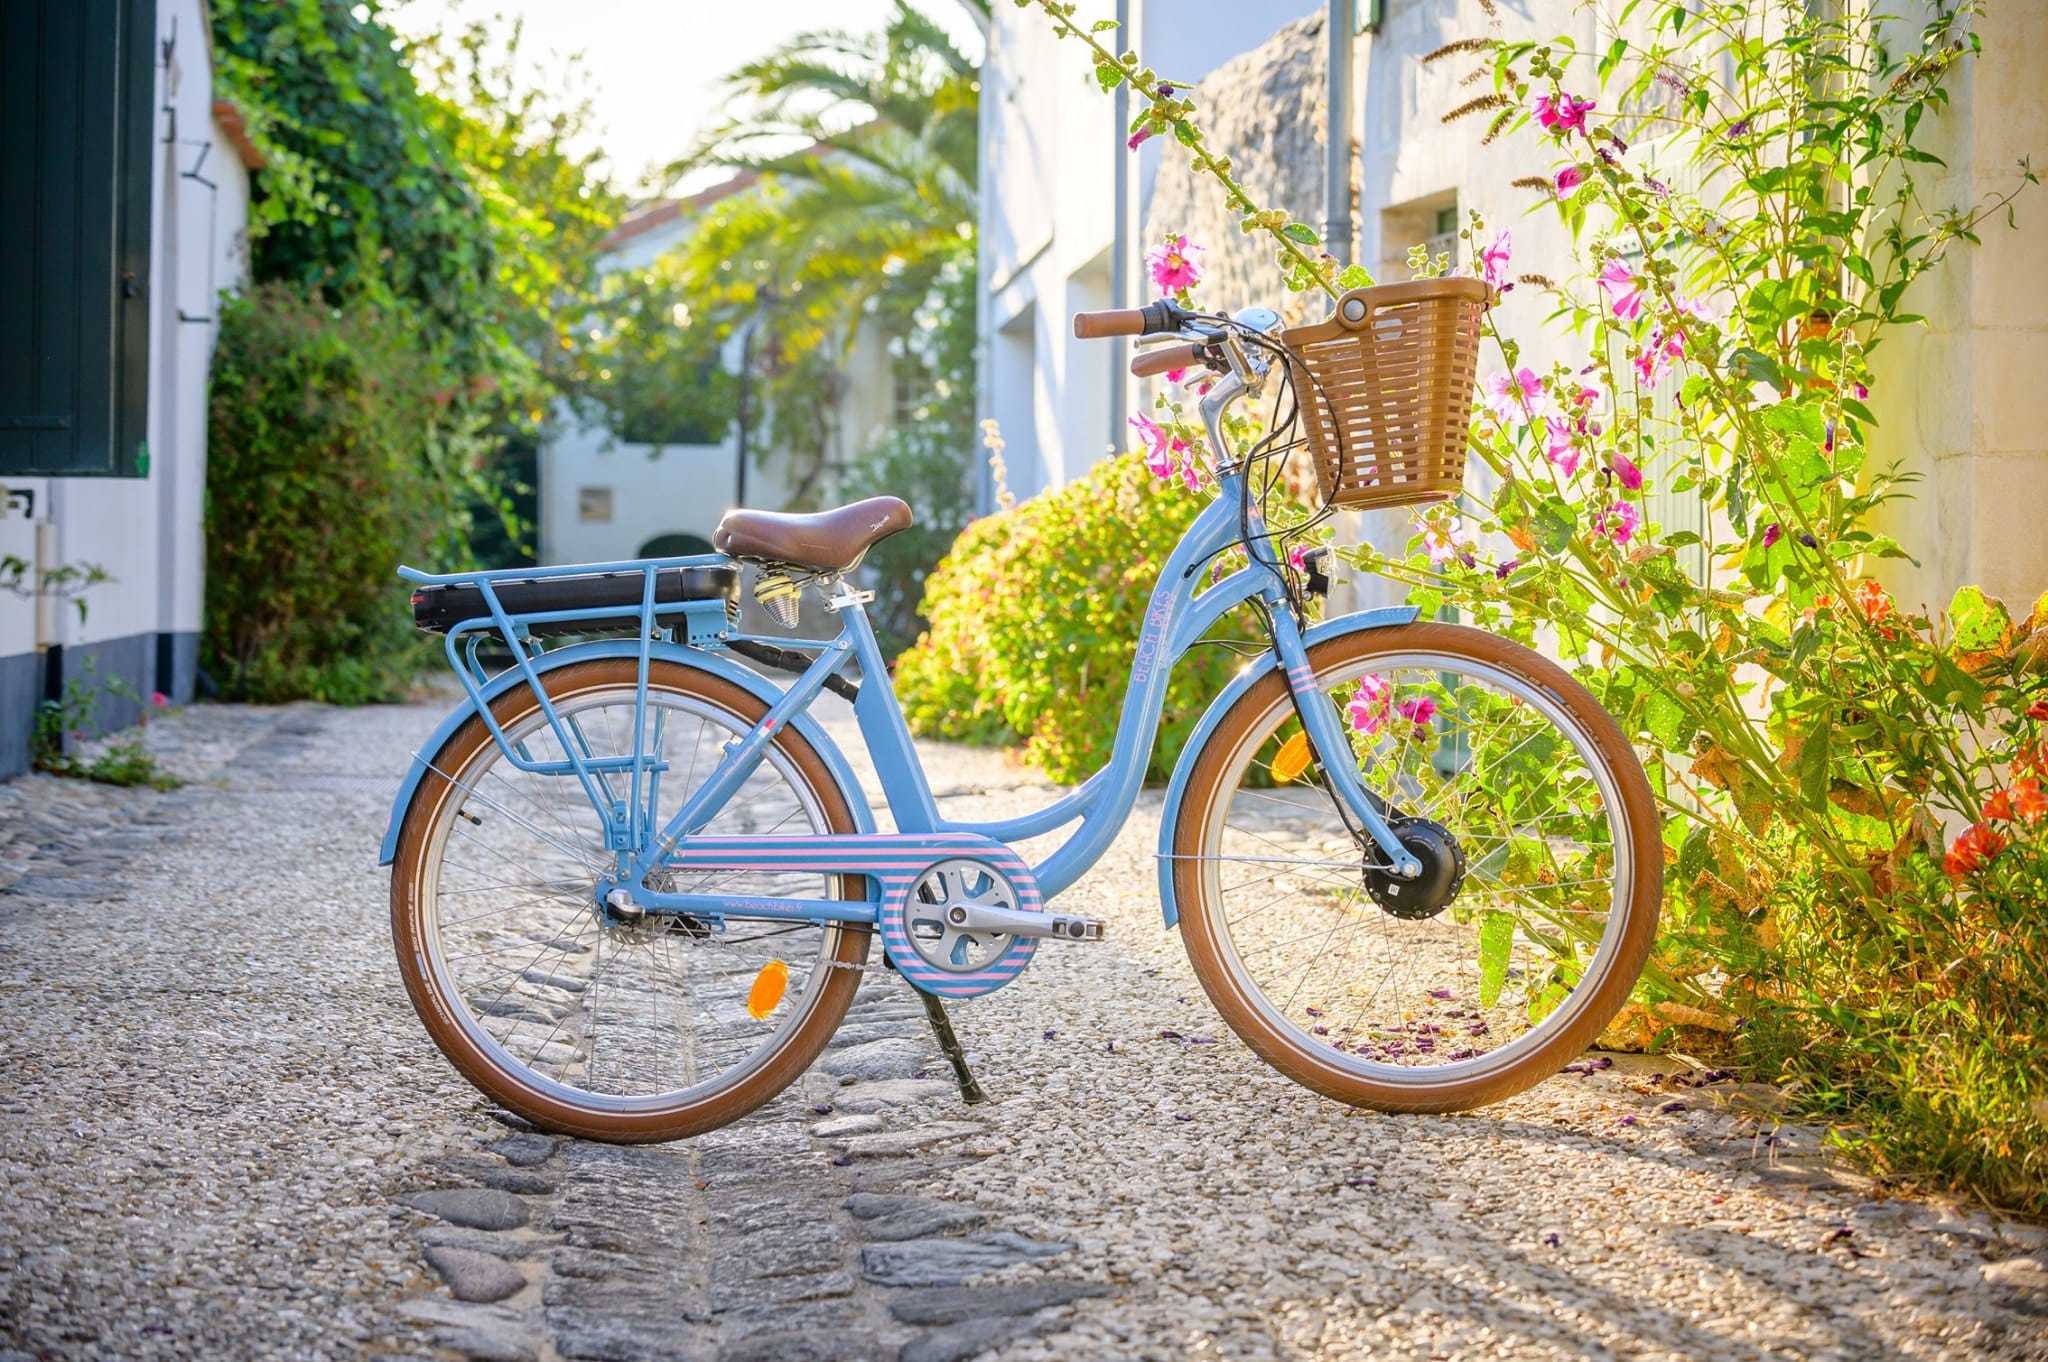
(439,608)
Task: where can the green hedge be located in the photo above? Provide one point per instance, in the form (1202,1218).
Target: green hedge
(1035,616)
(332,457)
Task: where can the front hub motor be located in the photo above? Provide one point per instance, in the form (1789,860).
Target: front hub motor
(1443,871)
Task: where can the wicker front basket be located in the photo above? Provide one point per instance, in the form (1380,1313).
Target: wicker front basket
(1385,386)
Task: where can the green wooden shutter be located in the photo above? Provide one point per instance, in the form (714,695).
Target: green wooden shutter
(77,113)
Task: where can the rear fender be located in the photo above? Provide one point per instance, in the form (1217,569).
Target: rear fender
(1257,668)
(711,663)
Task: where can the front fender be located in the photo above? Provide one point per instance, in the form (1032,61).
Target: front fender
(1244,681)
(721,667)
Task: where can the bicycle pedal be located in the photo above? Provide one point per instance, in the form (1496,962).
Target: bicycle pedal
(1074,927)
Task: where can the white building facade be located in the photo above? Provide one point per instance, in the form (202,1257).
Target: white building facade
(1062,203)
(602,498)
(124,192)
(1956,399)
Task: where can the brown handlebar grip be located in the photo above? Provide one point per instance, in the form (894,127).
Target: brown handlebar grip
(1121,321)
(1166,358)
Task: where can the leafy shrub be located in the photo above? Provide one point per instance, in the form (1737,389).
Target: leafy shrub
(333,457)
(1035,617)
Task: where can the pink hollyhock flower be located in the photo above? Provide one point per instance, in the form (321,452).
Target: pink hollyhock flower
(1176,264)
(1440,547)
(1519,396)
(1568,180)
(1369,704)
(1558,446)
(159,699)
(1587,397)
(1297,558)
(1663,351)
(1137,139)
(1190,475)
(1418,711)
(1176,375)
(1493,261)
(1155,438)
(1562,114)
(1624,290)
(1627,474)
(1773,532)
(1620,521)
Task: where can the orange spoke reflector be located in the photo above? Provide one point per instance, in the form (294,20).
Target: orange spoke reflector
(1292,758)
(769,986)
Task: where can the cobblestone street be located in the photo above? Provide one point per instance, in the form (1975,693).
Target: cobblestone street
(224,1134)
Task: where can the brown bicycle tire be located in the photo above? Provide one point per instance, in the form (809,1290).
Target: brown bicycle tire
(1308,1065)
(802,1044)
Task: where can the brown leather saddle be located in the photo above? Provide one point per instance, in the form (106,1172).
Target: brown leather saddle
(823,541)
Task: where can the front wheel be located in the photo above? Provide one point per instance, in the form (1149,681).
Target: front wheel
(1534,915)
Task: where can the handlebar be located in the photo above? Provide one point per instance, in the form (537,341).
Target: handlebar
(1169,357)
(1155,318)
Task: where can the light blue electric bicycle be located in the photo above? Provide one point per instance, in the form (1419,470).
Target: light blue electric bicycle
(1417,867)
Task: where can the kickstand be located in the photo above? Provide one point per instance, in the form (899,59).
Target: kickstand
(942,1027)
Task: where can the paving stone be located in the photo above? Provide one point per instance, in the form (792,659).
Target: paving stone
(891,1143)
(875,1059)
(969,1338)
(478,1241)
(65,887)
(807,1345)
(889,1218)
(956,1304)
(838,1126)
(741,1290)
(474,1276)
(525,1150)
(480,1208)
(948,1262)
(889,1093)
(495,1172)
(488,1333)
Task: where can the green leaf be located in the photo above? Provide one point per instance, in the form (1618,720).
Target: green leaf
(1354,276)
(1184,131)
(1107,74)
(1496,943)
(1554,526)
(1669,723)
(1103,26)
(1754,366)
(1981,622)
(1301,232)
(1812,765)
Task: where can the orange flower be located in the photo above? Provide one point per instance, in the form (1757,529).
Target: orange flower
(1972,850)
(1872,600)
(1999,806)
(2038,710)
(2030,801)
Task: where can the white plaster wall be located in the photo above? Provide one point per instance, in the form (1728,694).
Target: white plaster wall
(145,532)
(1050,139)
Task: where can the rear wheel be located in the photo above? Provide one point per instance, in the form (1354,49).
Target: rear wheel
(620,1031)
(1543,873)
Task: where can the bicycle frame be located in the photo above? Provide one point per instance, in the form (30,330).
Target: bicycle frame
(1178,614)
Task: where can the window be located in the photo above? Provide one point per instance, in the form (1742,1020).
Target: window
(594,503)
(77,94)
(1430,222)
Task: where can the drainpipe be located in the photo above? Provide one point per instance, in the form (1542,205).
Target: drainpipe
(1340,24)
(1122,246)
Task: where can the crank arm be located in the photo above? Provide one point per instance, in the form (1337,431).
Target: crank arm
(974,917)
